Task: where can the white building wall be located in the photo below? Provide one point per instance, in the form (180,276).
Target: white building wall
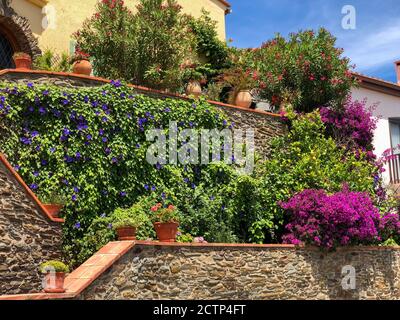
(388,107)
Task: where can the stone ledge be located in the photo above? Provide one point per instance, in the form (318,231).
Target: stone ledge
(262,246)
(216,245)
(38,296)
(8,166)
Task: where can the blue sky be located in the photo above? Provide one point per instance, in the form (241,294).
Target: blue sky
(373,46)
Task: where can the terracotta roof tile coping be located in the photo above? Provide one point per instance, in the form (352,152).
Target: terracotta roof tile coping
(215,245)
(382,82)
(37,296)
(225,3)
(262,246)
(83,276)
(140,88)
(28,190)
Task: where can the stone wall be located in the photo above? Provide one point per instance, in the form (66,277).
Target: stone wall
(27,237)
(150,271)
(266,125)
(20,29)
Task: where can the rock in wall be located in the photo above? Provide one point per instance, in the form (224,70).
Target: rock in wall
(27,238)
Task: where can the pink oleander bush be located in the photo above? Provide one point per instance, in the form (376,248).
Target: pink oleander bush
(343,218)
(305,70)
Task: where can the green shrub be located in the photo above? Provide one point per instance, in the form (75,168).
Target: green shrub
(147,47)
(151,45)
(210,203)
(55,265)
(306,159)
(53,198)
(306,71)
(80,248)
(132,217)
(50,61)
(184,237)
(390,243)
(208,44)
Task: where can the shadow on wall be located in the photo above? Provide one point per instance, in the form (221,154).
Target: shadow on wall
(374,274)
(151,271)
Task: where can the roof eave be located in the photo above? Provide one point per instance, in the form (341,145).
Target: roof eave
(378,85)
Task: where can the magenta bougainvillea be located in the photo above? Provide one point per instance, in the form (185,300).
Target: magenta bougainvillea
(353,126)
(340,219)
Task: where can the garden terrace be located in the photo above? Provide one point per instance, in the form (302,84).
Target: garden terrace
(151,270)
(88,142)
(84,139)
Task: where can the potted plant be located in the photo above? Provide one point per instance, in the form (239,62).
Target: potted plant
(53,204)
(193,79)
(166,222)
(51,61)
(81,63)
(242,82)
(127,221)
(54,272)
(22,60)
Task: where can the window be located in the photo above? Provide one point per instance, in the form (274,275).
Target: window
(395,135)
(6,53)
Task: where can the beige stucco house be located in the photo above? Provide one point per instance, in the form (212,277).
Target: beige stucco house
(35,25)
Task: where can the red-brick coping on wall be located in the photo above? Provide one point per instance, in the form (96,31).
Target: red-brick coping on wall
(28,191)
(83,276)
(138,88)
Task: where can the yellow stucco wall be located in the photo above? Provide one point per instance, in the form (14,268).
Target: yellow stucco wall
(70,15)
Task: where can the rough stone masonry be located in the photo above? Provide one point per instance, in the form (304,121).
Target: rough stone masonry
(27,238)
(248,272)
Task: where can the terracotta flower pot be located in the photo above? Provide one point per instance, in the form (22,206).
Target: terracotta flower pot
(244,99)
(53,209)
(166,232)
(203,82)
(193,88)
(126,233)
(54,282)
(23,62)
(82,67)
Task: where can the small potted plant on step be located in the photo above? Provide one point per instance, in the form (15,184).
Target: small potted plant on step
(53,204)
(22,60)
(81,63)
(127,221)
(166,222)
(54,274)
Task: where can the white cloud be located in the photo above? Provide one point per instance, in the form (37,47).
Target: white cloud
(375,50)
